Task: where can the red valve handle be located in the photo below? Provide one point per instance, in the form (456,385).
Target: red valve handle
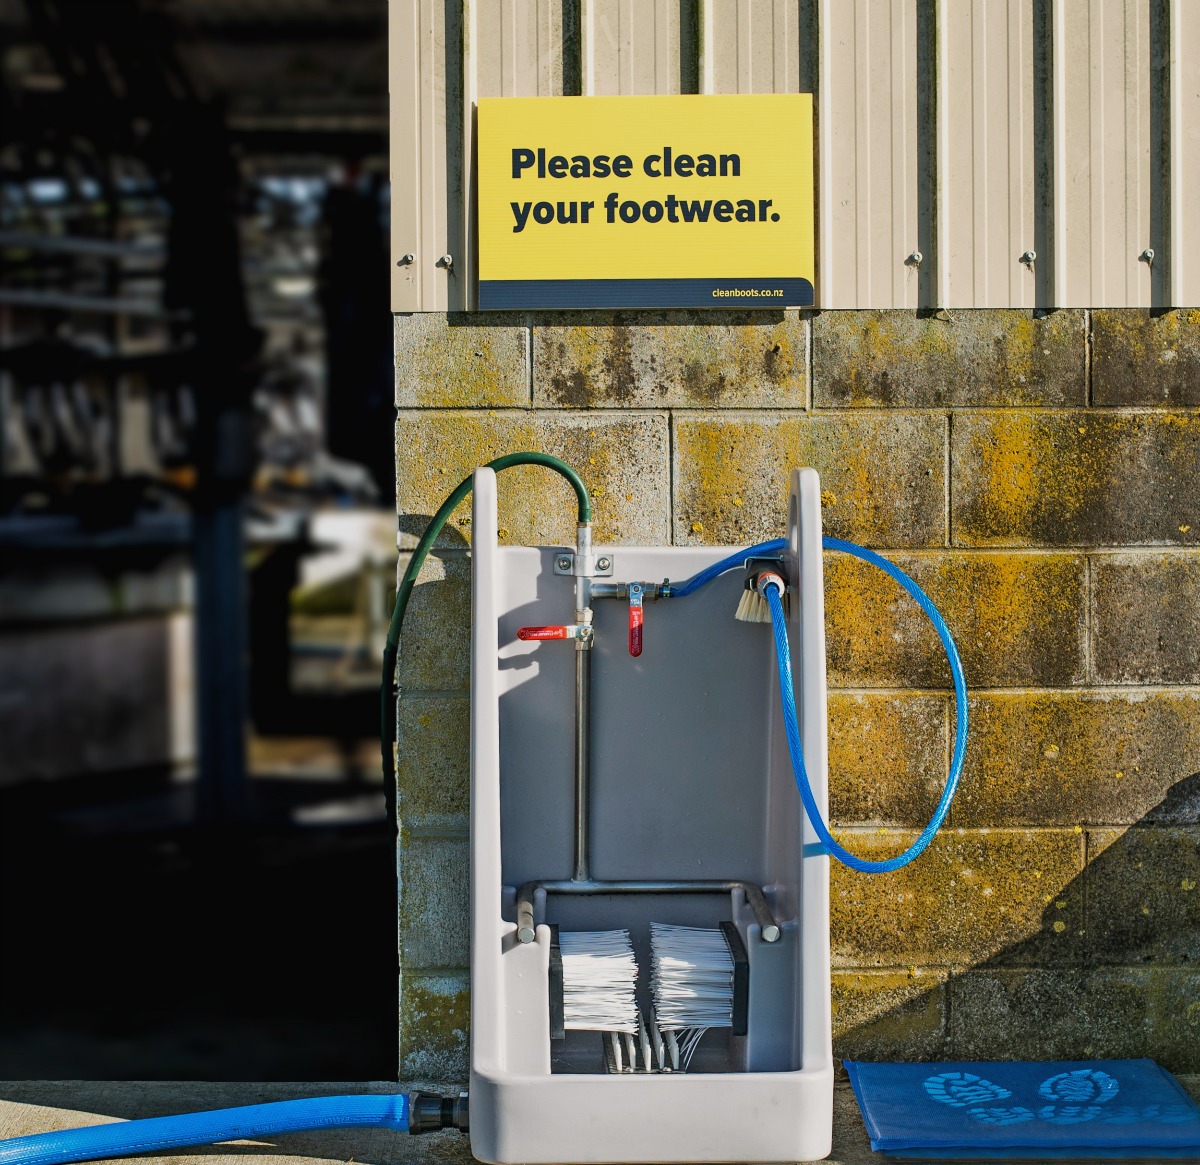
(636,616)
(542,633)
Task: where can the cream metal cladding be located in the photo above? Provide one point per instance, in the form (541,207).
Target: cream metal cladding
(971,153)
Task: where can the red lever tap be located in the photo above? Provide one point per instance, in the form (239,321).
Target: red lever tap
(557,631)
(543,633)
(636,618)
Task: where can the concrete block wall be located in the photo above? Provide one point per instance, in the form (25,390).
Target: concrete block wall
(1038,474)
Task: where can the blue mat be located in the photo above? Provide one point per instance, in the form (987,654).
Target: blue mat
(1002,1110)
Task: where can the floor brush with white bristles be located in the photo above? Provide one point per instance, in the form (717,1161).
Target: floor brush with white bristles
(599,975)
(691,981)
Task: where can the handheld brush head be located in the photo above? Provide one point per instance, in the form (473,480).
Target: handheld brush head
(761,572)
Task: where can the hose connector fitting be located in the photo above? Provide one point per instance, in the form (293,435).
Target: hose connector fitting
(585,567)
(761,575)
(428,1113)
(768,578)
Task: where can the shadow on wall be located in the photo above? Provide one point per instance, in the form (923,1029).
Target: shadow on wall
(1124,982)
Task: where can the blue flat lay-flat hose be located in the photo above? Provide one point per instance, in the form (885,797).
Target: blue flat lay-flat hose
(123,1138)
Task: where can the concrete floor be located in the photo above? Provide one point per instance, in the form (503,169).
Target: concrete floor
(37,1106)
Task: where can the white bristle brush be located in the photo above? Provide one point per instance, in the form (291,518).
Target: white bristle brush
(599,981)
(691,979)
(753,606)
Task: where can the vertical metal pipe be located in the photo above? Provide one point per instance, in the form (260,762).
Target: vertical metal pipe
(583,769)
(584,568)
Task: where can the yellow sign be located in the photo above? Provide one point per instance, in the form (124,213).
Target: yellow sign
(605,202)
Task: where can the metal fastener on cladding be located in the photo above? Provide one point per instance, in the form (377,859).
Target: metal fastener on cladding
(603,563)
(915,258)
(405,259)
(1029,257)
(564,563)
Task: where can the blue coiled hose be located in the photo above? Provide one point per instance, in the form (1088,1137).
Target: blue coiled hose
(206,1128)
(680,590)
(783,656)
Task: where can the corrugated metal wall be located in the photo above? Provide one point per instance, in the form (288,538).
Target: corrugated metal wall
(972,153)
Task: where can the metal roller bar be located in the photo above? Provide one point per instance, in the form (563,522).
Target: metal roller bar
(526,927)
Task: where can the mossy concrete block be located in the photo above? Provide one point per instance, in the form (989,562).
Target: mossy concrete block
(882,476)
(972,895)
(1145,358)
(1146,618)
(623,459)
(1081,758)
(889,1015)
(1077,1013)
(435,643)
(435,1012)
(681,359)
(434,919)
(1144,895)
(433,758)
(1017,619)
(452,360)
(1075,479)
(1006,357)
(1175,995)
(887,757)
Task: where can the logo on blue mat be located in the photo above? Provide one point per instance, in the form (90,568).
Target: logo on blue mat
(1083,1086)
(1081,1096)
(958,1089)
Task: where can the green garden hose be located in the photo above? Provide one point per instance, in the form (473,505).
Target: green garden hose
(388,691)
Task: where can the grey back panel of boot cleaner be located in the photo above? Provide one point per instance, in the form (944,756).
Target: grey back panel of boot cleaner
(690,780)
